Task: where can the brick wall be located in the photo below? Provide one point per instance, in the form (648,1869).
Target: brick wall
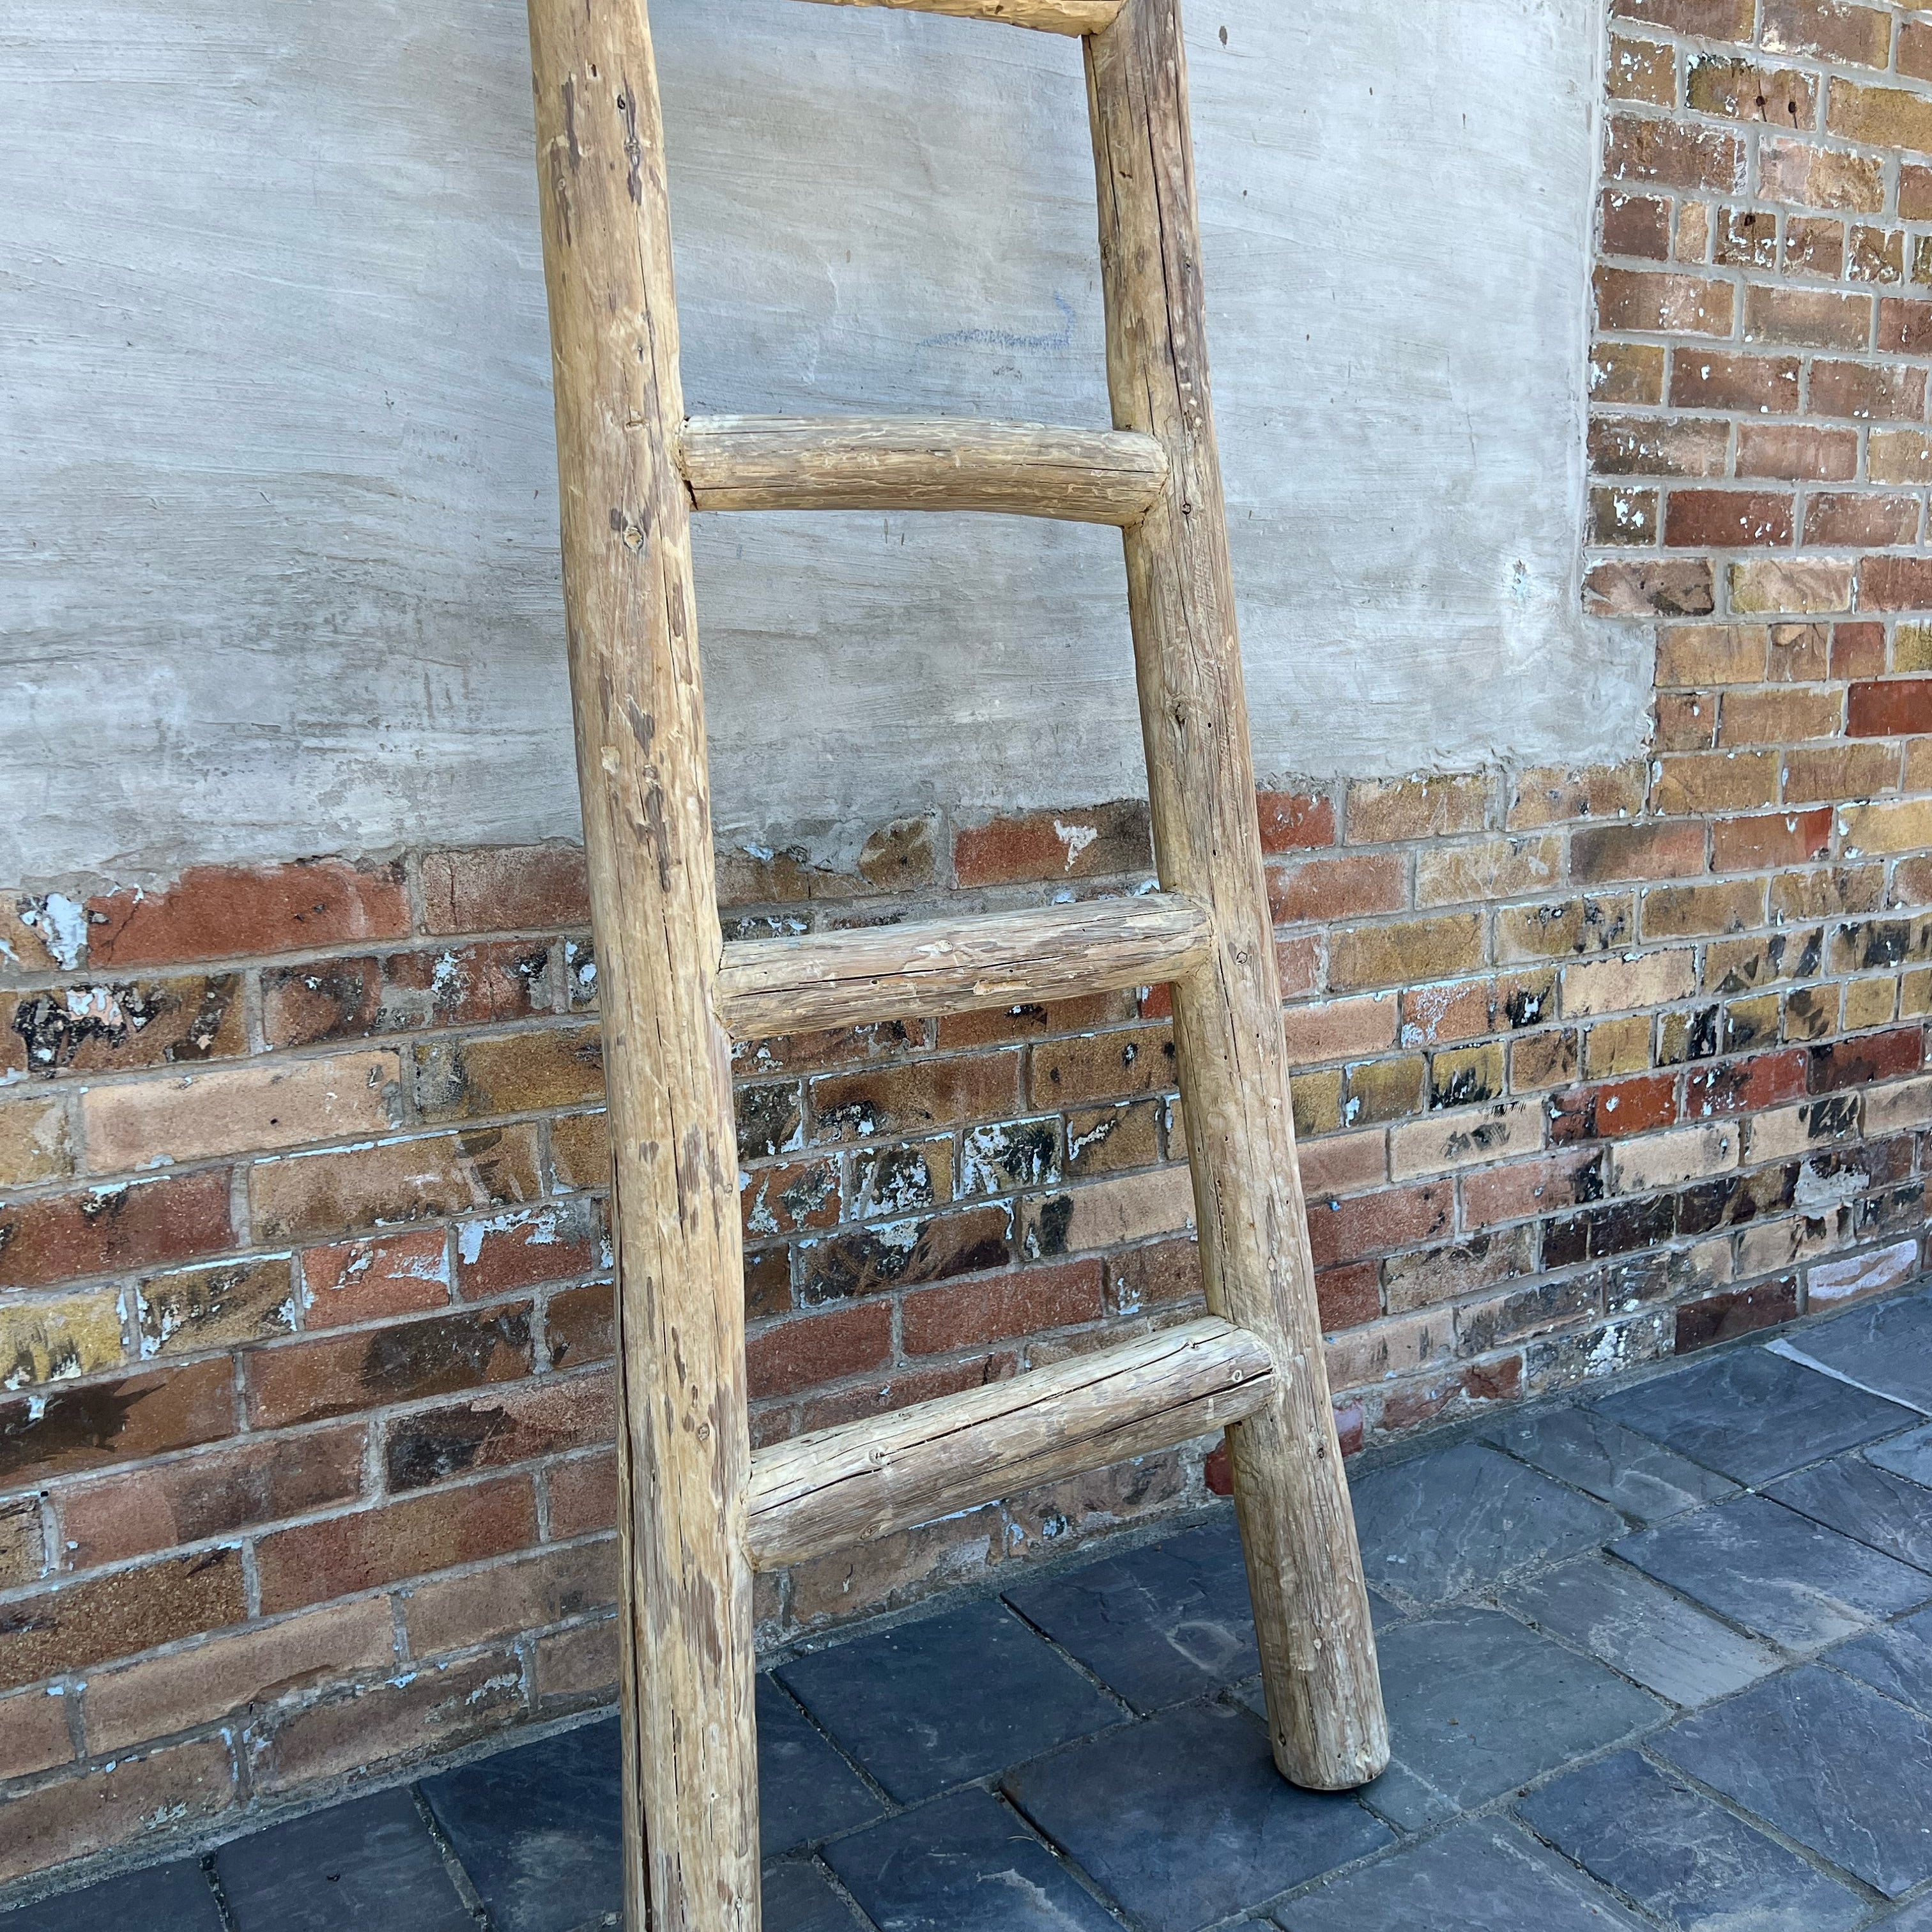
(304,1437)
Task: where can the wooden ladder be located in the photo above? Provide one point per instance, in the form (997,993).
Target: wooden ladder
(700,1512)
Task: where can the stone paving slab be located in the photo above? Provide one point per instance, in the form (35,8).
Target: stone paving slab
(1478,1704)
(1183,1819)
(798,1897)
(1162,1624)
(1616,1465)
(1752,1415)
(1866,1501)
(1682,1857)
(370,1859)
(965,1863)
(1772,1571)
(806,1791)
(1896,1660)
(164,1898)
(1909,1456)
(1481,1877)
(1884,1346)
(1434,1528)
(948,1699)
(1828,1761)
(1639,1628)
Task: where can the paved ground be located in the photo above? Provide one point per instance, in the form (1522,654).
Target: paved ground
(1660,1657)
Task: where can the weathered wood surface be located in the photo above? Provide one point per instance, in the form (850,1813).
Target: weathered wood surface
(769,986)
(1050,16)
(906,462)
(823,1492)
(1311,1608)
(690,1786)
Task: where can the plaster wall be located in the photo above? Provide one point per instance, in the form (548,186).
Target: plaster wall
(278,535)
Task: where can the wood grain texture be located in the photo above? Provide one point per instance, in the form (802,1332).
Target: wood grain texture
(820,1492)
(691,1788)
(1318,1649)
(907,462)
(769,986)
(1049,16)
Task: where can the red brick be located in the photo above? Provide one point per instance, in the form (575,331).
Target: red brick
(526,1594)
(1083,844)
(583,1495)
(1745,1086)
(303,1196)
(1865,1057)
(1614,1110)
(126,1800)
(1159,1274)
(119,1614)
(1348,1296)
(546,1418)
(1726,519)
(63,1430)
(33,1734)
(1889,707)
(870,1260)
(1344,888)
(1297,966)
(505,889)
(1114,1065)
(1632,298)
(228,912)
(1369,1224)
(1854,521)
(902,1387)
(1737,1311)
(1644,850)
(1673,154)
(1837,29)
(1706,19)
(528,1245)
(108,1027)
(1530,1188)
(101,1230)
(218,1493)
(357,999)
(364,1281)
(337,1375)
(1776,838)
(1881,391)
(1915,193)
(1811,318)
(908,1099)
(801,1353)
(1797,450)
(1895,583)
(1636,225)
(1761,384)
(942,1319)
(343,1555)
(580,1325)
(1294,821)
(1858,650)
(1904,328)
(1653,446)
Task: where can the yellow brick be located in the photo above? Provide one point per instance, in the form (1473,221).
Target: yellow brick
(1680,912)
(1617,1046)
(1591,925)
(1495,868)
(33,1143)
(244,1110)
(1384,1089)
(1339,1029)
(68,1335)
(1701,782)
(1623,986)
(1880,117)
(1899,456)
(1135,1207)
(1870,1003)
(1317,1099)
(1346,1164)
(1891,1110)
(1691,655)
(1538,1060)
(1795,588)
(1465,1076)
(1668,1160)
(1383,810)
(1904,825)
(1358,1357)
(1548,794)
(1404,952)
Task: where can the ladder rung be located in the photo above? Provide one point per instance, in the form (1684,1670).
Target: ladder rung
(910,463)
(838,1487)
(769,986)
(1050,16)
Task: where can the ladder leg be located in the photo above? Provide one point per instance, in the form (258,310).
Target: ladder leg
(690,1753)
(1304,1569)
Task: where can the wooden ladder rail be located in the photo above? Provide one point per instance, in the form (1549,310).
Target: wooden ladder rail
(699,1513)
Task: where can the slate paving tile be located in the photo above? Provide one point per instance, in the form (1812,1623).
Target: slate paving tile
(1614,1464)
(1640,1628)
(946,1700)
(806,1791)
(1917,1917)
(1896,1660)
(1751,1415)
(1775,1572)
(1884,1346)
(1682,1857)
(1182,1818)
(1479,1876)
(1436,1526)
(1826,1761)
(369,1862)
(165,1898)
(1160,1625)
(540,1829)
(965,1863)
(1909,1456)
(1478,1704)
(1871,1505)
(798,1897)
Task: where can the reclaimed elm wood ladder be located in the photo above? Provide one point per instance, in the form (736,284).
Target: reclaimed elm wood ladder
(700,1511)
